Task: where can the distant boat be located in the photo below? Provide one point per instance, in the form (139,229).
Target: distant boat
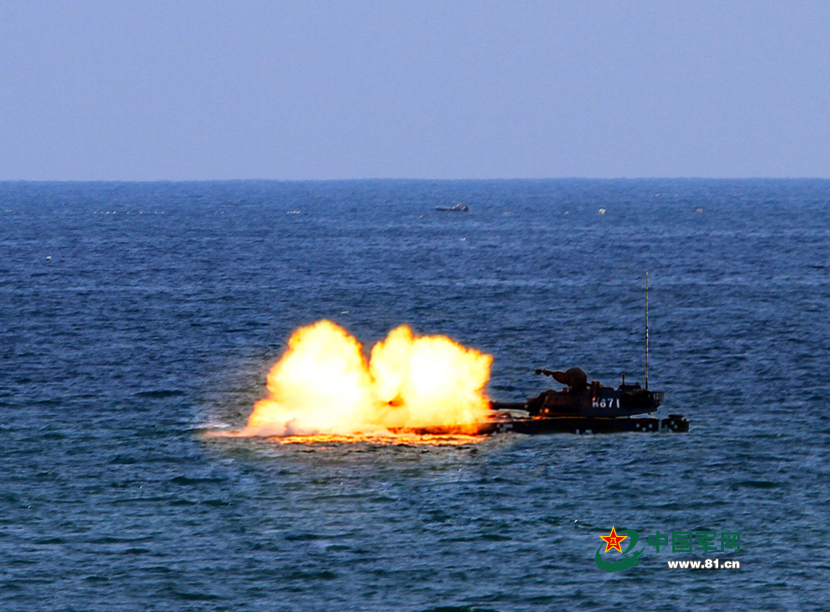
(456,208)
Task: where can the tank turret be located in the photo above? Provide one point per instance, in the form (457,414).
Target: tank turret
(579,398)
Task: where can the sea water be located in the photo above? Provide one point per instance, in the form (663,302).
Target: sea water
(136,317)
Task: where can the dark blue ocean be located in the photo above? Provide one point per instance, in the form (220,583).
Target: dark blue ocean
(136,317)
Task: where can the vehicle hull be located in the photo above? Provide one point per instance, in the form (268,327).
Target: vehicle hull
(505,423)
(589,425)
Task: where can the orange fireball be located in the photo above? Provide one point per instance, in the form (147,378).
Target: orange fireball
(323,385)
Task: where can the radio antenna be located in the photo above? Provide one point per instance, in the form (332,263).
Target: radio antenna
(646,330)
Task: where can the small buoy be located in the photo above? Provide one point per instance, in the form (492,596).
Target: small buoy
(699,210)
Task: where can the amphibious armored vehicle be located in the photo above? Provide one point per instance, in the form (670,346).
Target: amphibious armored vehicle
(582,407)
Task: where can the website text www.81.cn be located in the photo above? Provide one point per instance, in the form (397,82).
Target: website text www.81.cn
(707,564)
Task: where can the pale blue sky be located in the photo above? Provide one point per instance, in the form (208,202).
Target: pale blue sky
(176,90)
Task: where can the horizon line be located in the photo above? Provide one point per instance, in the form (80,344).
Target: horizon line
(433,180)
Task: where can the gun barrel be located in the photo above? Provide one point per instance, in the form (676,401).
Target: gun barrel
(508,406)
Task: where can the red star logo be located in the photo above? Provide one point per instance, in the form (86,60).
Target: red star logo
(613,541)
